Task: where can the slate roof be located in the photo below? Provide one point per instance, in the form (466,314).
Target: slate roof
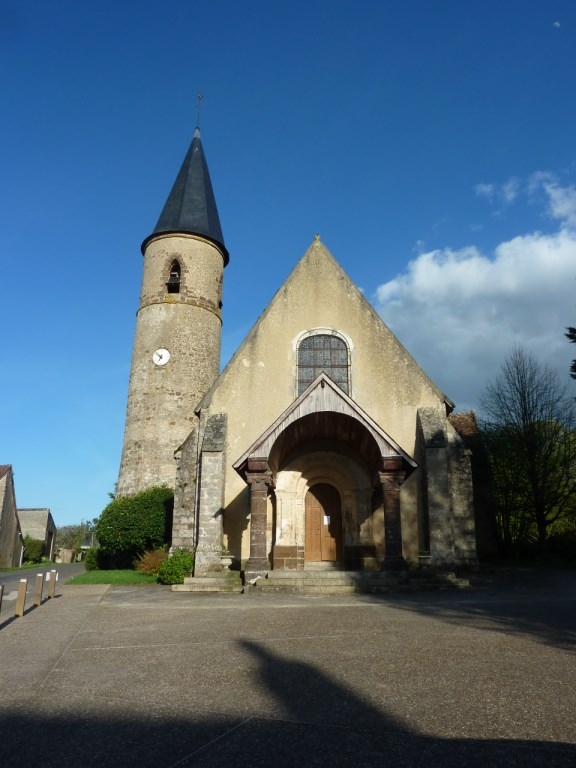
(191,206)
(36,521)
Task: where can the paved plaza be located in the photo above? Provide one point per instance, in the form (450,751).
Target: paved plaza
(141,676)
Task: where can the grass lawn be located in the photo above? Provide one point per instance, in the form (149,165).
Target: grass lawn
(112,577)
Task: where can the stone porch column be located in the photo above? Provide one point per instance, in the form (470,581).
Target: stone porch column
(391,479)
(210,498)
(259,478)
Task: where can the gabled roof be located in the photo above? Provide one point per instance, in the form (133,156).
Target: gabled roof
(322,396)
(191,206)
(316,248)
(36,521)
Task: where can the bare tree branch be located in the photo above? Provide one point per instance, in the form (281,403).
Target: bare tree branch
(530,435)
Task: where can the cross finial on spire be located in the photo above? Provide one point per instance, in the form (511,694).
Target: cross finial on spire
(199,99)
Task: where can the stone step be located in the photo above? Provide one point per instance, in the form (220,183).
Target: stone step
(350,582)
(325,582)
(304,589)
(230,583)
(324,574)
(331,575)
(335,577)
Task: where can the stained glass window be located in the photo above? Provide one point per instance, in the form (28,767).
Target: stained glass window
(323,353)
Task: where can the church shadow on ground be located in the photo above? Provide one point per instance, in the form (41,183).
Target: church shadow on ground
(321,723)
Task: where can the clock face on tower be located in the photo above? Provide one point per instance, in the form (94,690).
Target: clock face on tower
(161,357)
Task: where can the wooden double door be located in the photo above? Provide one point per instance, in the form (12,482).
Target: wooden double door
(323,513)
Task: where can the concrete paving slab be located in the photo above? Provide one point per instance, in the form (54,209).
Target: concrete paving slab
(141,676)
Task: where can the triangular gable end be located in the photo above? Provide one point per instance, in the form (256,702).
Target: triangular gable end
(321,396)
(316,247)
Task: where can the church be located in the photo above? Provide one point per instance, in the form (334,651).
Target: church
(321,445)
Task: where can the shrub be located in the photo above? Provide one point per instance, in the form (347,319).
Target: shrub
(176,567)
(150,562)
(34,549)
(106,561)
(92,559)
(131,524)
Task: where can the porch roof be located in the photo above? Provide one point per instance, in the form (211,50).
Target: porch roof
(323,396)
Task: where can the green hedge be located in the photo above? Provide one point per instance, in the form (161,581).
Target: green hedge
(130,525)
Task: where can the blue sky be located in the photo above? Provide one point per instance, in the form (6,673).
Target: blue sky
(430,144)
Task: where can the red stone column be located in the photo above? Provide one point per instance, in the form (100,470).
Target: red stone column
(391,479)
(259,483)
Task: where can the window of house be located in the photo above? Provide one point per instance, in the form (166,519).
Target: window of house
(323,353)
(173,284)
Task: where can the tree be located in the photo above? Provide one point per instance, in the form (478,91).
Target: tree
(530,435)
(571,334)
(512,524)
(67,536)
(33,549)
(74,536)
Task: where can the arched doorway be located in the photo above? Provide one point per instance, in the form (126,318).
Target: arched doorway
(286,460)
(323,524)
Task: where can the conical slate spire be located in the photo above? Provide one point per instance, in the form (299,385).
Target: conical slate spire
(191,207)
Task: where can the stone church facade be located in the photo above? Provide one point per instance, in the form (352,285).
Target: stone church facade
(322,443)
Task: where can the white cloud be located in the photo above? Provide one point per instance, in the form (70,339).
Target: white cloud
(485,190)
(459,312)
(537,180)
(562,203)
(561,200)
(510,190)
(505,193)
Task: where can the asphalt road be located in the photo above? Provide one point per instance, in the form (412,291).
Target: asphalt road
(11,582)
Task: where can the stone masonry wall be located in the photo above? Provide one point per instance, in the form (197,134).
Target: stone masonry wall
(162,399)
(10,539)
(211,497)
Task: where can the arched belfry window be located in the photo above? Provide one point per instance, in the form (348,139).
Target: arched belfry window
(173,283)
(323,353)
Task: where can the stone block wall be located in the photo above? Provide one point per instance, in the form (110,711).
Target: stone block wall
(211,497)
(10,535)
(162,399)
(184,518)
(449,513)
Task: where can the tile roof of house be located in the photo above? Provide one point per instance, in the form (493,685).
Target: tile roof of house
(465,424)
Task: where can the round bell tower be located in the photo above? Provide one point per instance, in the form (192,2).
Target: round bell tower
(176,354)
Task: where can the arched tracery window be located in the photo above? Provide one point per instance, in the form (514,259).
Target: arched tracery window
(173,284)
(326,353)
